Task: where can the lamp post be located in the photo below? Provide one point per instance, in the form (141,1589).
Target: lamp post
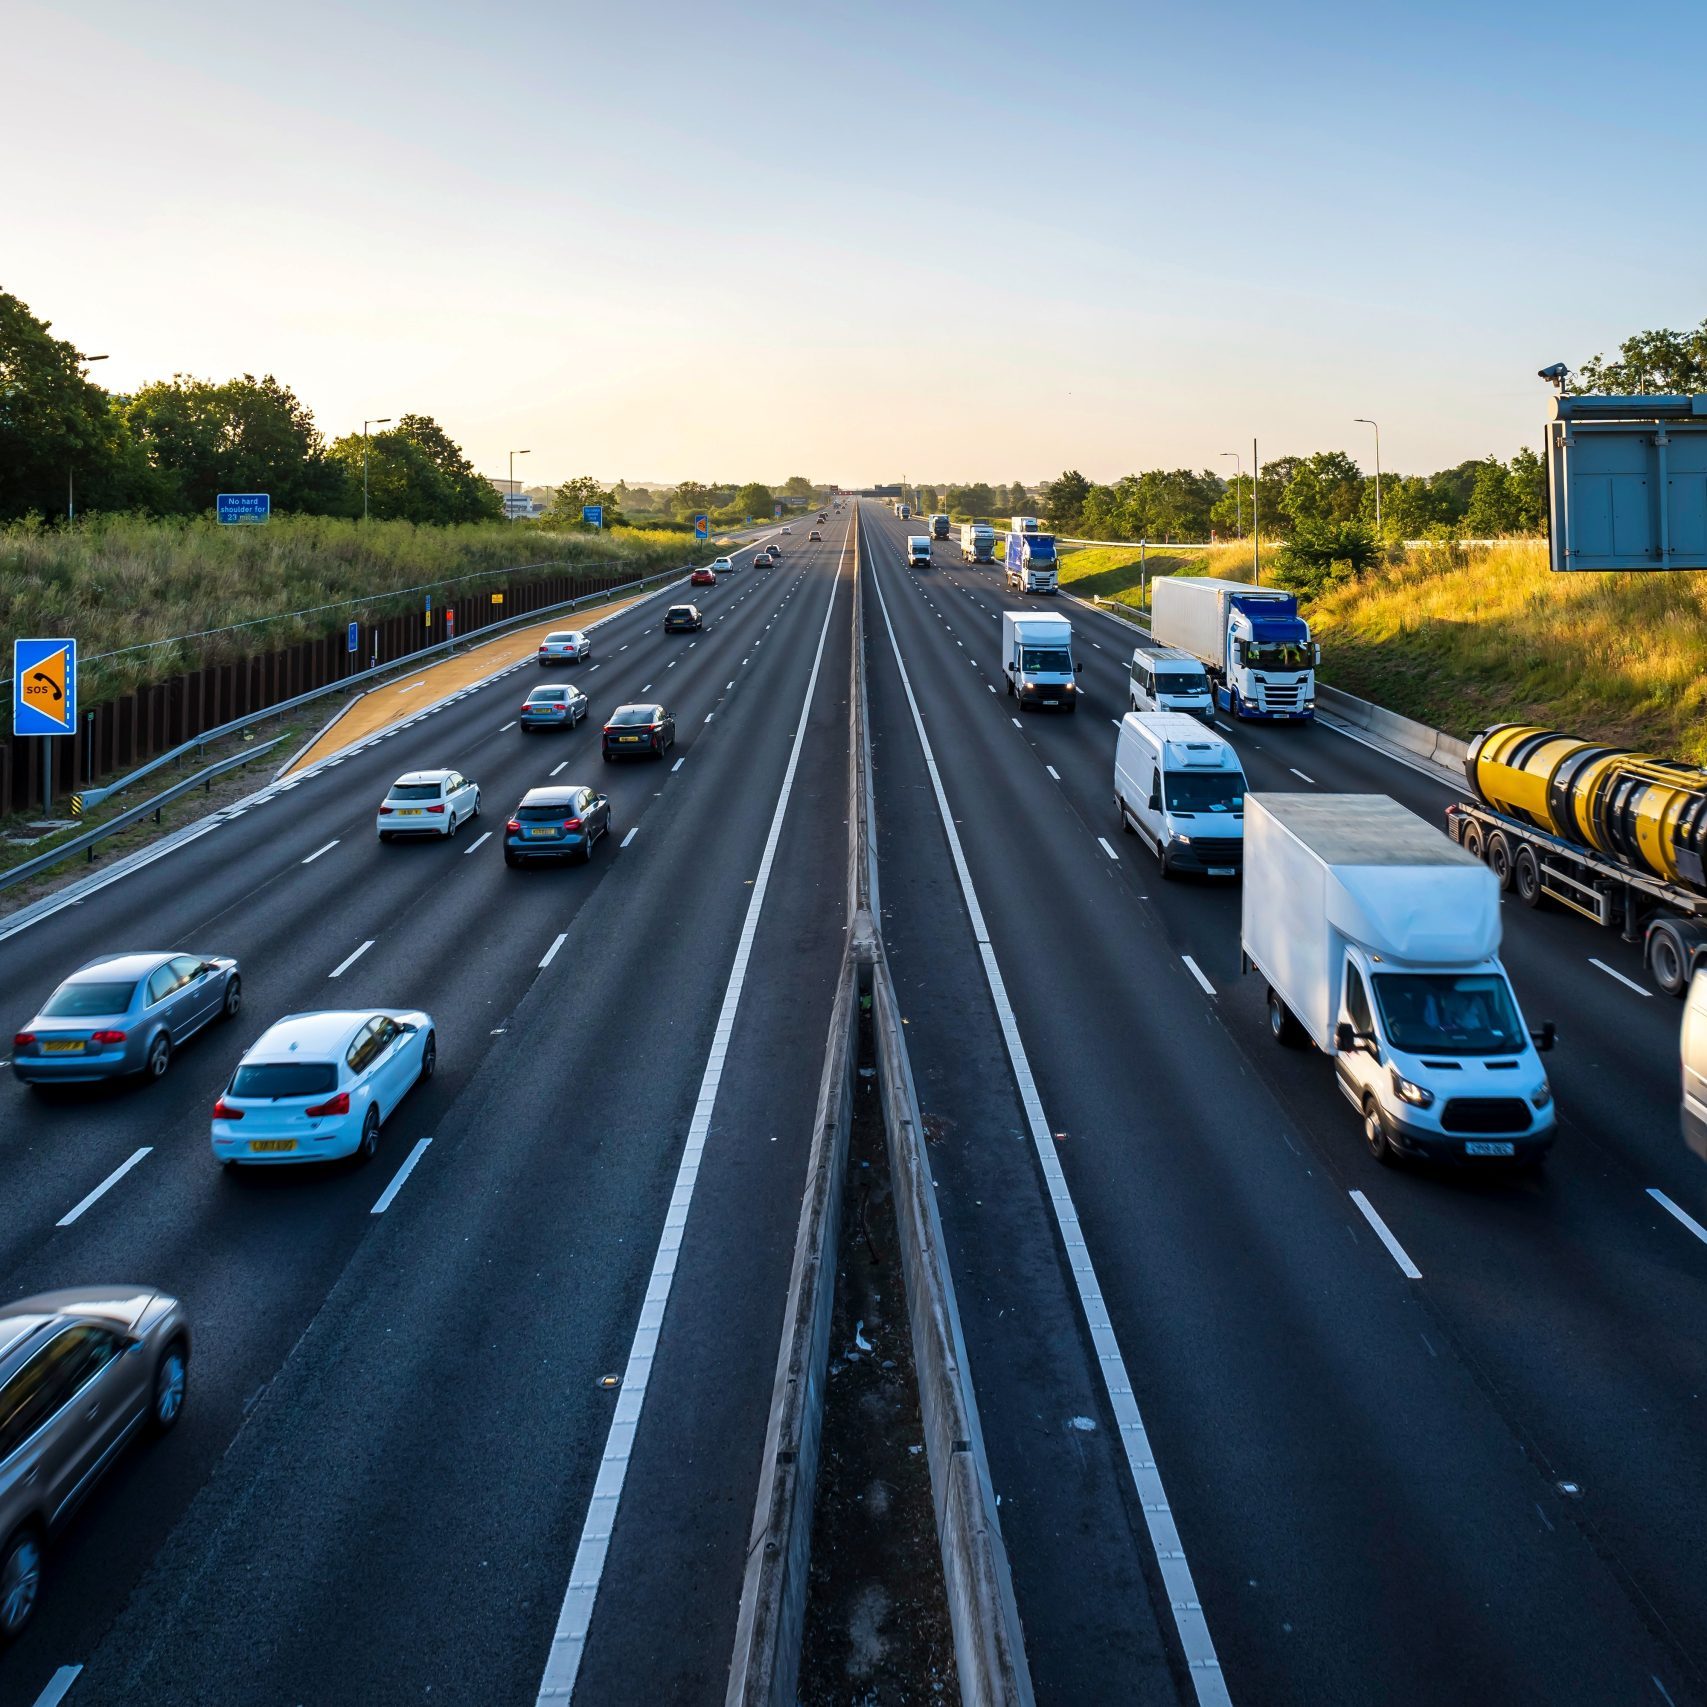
(513,455)
(71,473)
(1364,421)
(1238,489)
(380,422)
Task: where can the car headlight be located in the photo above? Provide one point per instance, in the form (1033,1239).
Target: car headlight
(1416,1095)
(1542,1098)
(1183,840)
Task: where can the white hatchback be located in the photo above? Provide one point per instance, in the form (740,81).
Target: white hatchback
(723,565)
(571,646)
(428,803)
(315,1087)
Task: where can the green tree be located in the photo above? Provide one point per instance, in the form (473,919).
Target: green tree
(798,488)
(567,501)
(1651,362)
(1320,554)
(1528,476)
(693,498)
(1230,514)
(970,503)
(1063,501)
(1017,498)
(754,499)
(1326,487)
(467,496)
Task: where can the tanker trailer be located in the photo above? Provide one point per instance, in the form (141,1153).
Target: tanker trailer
(1615,835)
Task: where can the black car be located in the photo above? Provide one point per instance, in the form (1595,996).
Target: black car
(682,619)
(638,731)
(556,823)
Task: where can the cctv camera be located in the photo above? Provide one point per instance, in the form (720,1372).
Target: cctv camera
(1555,373)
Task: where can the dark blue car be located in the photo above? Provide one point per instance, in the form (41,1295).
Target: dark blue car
(556,823)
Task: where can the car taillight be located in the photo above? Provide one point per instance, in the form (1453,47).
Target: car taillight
(571,823)
(340,1104)
(106,1037)
(384,809)
(439,808)
(513,825)
(23,1039)
(609,727)
(656,727)
(222,1110)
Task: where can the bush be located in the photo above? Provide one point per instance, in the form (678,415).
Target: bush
(1320,555)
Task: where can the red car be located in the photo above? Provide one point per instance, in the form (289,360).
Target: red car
(702,578)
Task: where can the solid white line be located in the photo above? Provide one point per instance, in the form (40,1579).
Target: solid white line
(1196,971)
(413,685)
(1628,983)
(343,966)
(551,953)
(476,843)
(508,726)
(1301,776)
(1165,1540)
(1394,1249)
(53,1692)
(105,1186)
(569,1641)
(1053,772)
(398,1178)
(1681,1215)
(1103,843)
(562,767)
(319,851)
(629,837)
(678,764)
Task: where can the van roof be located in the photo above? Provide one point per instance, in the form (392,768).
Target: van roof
(1188,744)
(1166,655)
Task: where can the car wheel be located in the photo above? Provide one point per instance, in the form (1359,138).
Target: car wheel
(476,812)
(1283,1024)
(1375,1134)
(233,998)
(511,859)
(158,1058)
(429,1059)
(20,1582)
(453,826)
(171,1382)
(606,757)
(368,1148)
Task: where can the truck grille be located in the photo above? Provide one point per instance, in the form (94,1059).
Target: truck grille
(1282,697)
(1485,1114)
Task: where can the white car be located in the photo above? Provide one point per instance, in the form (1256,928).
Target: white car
(723,564)
(788,530)
(571,646)
(428,803)
(314,1087)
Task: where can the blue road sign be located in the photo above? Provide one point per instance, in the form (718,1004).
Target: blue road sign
(44,687)
(702,527)
(594,513)
(243,506)
(354,639)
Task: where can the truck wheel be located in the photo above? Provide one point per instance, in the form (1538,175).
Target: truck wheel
(1667,961)
(1526,877)
(1375,1134)
(1283,1024)
(1471,840)
(1499,859)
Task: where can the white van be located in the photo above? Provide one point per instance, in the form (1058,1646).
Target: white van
(1182,788)
(919,551)
(1695,1066)
(1170,680)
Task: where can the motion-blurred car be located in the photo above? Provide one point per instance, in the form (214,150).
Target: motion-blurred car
(722,565)
(81,1372)
(569,647)
(317,1086)
(635,731)
(556,823)
(428,803)
(788,530)
(814,535)
(703,578)
(557,705)
(682,619)
(124,1013)
(764,557)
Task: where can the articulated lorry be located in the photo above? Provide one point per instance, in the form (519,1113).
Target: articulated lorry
(1380,944)
(977,543)
(939,527)
(1614,835)
(1252,641)
(1031,562)
(1037,659)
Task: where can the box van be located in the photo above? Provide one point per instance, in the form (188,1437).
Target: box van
(919,551)
(1182,788)
(1167,680)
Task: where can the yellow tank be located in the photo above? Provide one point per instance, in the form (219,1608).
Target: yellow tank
(1641,811)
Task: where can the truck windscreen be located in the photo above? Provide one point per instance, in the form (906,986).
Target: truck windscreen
(1277,655)
(1037,661)
(1468,1013)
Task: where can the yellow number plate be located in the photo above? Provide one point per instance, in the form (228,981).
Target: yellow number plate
(64,1046)
(259,1144)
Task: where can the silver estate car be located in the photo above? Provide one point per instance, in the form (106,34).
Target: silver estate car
(81,1371)
(124,1013)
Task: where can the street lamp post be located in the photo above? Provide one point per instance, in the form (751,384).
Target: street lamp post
(513,455)
(1238,489)
(1364,421)
(71,473)
(380,422)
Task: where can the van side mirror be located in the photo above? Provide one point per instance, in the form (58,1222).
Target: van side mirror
(1155,800)
(1078,669)
(1345,1039)
(1546,1037)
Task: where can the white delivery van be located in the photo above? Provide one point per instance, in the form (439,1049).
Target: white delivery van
(1181,787)
(1695,1066)
(1380,942)
(1169,680)
(919,551)
(1037,659)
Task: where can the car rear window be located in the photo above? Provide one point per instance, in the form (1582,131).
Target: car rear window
(560,640)
(548,696)
(681,610)
(551,814)
(285,1079)
(415,791)
(73,1001)
(633,714)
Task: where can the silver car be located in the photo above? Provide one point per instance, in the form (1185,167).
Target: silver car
(570,646)
(80,1373)
(124,1013)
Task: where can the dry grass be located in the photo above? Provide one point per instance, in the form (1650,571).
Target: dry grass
(1114,571)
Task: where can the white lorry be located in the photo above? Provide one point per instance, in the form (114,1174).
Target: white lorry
(977,542)
(1037,659)
(1024,524)
(918,551)
(1379,940)
(1252,641)
(1181,787)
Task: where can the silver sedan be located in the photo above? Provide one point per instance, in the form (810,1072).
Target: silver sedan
(123,1014)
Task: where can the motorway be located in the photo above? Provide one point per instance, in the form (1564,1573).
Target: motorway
(1480,1481)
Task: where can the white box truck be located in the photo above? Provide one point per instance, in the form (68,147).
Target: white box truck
(977,543)
(918,551)
(1182,789)
(1252,641)
(1379,940)
(1024,524)
(1037,659)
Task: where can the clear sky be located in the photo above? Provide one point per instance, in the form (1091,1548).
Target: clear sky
(939,240)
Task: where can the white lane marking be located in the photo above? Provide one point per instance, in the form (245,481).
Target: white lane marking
(1015,721)
(709,715)
(1682,1215)
(413,685)
(569,1641)
(744,660)
(54,1691)
(1103,843)
(1394,1249)
(508,726)
(397,1179)
(562,767)
(647,688)
(1097,644)
(551,953)
(672,663)
(319,851)
(727,686)
(1612,972)
(105,1186)
(678,764)
(622,648)
(1115,721)
(1220,725)
(1196,971)
(1165,1539)
(1053,772)
(1301,776)
(476,843)
(629,837)
(591,668)
(343,966)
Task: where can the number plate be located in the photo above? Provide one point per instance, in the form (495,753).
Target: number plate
(1490,1149)
(257,1145)
(628,737)
(538,834)
(408,811)
(63,1046)
(1052,702)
